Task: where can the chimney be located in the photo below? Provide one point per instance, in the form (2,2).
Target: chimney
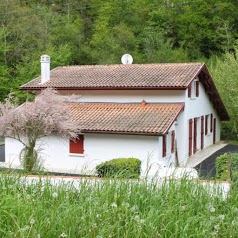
(143,103)
(45,68)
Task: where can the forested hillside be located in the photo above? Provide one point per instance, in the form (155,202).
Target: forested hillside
(100,32)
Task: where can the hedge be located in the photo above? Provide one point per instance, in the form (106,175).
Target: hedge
(227,167)
(119,168)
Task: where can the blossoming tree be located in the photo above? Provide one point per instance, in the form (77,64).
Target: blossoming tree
(33,120)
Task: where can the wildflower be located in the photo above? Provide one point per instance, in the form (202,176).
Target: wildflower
(98,216)
(125,204)
(114,205)
(216,227)
(137,218)
(183,208)
(94,226)
(63,235)
(55,195)
(221,217)
(133,209)
(211,208)
(32,221)
(25,228)
(212,218)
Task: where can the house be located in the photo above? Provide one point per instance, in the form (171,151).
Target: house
(159,113)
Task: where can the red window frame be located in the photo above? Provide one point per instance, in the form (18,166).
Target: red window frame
(164,145)
(76,146)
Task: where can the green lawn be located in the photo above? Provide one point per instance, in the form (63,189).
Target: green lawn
(114,209)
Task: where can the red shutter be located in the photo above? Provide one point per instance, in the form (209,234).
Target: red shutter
(164,145)
(76,146)
(195,136)
(211,122)
(172,141)
(202,132)
(189,90)
(214,131)
(206,124)
(197,88)
(190,135)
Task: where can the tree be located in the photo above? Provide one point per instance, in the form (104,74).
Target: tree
(33,120)
(225,72)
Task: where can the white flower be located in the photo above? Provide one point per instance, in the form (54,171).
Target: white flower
(94,225)
(137,218)
(211,208)
(216,227)
(63,235)
(133,209)
(55,195)
(25,228)
(114,205)
(32,221)
(183,208)
(212,218)
(222,217)
(125,204)
(98,216)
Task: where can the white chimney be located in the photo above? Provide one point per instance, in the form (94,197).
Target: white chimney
(45,68)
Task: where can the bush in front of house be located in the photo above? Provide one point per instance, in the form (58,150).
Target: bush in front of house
(119,168)
(227,167)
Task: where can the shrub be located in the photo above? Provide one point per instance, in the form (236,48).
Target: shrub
(119,168)
(227,167)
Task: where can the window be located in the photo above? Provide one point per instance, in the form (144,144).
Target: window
(76,146)
(164,146)
(193,89)
(172,141)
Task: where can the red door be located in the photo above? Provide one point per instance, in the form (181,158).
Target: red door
(202,132)
(195,136)
(214,131)
(190,137)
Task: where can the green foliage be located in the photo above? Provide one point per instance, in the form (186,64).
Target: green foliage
(100,32)
(119,168)
(223,163)
(227,167)
(224,72)
(89,208)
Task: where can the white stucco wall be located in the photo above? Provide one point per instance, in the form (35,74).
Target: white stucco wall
(54,152)
(195,107)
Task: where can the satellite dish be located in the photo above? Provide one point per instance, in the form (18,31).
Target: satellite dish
(126,59)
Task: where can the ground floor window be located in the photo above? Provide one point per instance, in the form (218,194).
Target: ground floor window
(76,146)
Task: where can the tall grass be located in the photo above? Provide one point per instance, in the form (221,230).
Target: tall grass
(114,209)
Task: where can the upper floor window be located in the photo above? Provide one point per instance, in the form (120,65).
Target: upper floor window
(193,89)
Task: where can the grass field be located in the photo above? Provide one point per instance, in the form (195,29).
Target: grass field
(114,209)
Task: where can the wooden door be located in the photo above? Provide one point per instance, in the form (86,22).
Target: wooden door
(214,130)
(190,137)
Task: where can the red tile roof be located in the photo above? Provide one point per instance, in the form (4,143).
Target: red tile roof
(177,75)
(141,119)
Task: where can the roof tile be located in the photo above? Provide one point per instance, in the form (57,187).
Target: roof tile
(120,76)
(152,119)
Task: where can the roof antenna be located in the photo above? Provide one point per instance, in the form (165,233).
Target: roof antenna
(126,59)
